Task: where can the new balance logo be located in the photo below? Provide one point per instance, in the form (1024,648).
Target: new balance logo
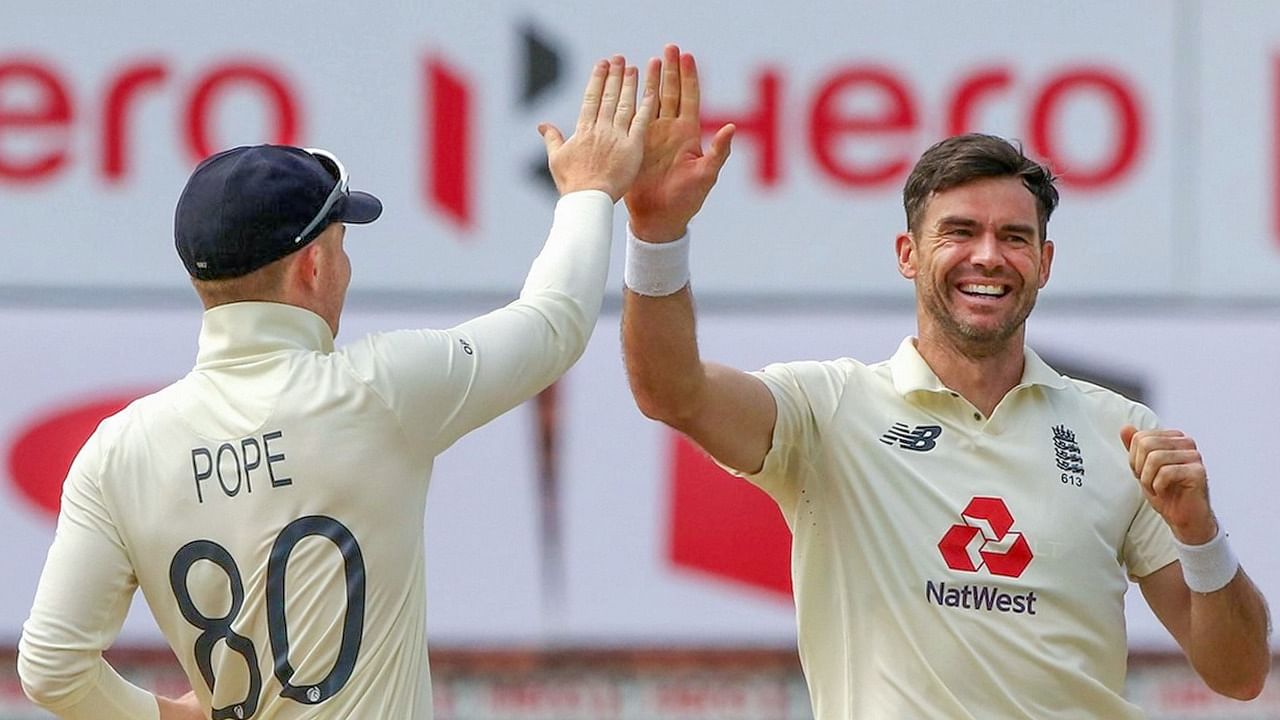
(921,438)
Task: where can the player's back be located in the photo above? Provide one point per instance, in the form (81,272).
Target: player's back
(271,505)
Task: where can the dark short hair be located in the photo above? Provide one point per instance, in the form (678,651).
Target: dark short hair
(974,156)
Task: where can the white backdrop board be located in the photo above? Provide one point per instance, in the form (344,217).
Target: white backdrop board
(1160,115)
(628,575)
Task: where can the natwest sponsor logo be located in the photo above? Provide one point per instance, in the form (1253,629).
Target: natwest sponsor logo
(980,597)
(985,539)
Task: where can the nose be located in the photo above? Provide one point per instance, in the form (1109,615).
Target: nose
(986,252)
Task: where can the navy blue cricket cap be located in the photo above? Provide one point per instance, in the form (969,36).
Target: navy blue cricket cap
(248,206)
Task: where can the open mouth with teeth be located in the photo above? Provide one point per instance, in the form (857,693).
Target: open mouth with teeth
(984,290)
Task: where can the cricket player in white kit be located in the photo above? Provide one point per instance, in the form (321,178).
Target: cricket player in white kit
(965,519)
(270,504)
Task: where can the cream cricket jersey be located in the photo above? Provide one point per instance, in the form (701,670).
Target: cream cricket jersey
(949,565)
(270,504)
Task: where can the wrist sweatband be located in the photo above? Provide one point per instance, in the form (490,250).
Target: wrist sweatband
(1210,566)
(656,269)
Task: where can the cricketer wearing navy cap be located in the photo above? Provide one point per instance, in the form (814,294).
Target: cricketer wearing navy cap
(251,205)
(270,504)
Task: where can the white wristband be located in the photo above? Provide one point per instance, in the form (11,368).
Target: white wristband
(656,269)
(1210,566)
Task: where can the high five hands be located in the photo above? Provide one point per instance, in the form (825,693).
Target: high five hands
(608,143)
(657,145)
(676,175)
(1171,472)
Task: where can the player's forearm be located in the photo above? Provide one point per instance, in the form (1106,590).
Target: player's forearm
(568,277)
(524,347)
(1229,645)
(80,603)
(80,685)
(660,347)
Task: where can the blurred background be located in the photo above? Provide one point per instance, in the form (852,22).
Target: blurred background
(582,561)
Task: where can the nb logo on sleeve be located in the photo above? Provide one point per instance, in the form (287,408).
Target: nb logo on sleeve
(921,438)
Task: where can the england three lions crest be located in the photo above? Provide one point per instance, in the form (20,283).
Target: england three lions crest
(1067,454)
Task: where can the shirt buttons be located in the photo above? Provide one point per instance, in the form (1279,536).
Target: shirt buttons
(977,416)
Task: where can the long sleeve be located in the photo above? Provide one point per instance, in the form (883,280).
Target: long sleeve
(445,383)
(80,604)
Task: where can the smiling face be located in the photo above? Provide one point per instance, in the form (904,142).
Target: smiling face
(978,262)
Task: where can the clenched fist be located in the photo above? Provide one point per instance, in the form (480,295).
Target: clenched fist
(1171,472)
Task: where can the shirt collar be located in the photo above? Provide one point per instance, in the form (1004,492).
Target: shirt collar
(245,329)
(911,373)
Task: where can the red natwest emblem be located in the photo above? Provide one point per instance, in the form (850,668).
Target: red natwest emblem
(985,539)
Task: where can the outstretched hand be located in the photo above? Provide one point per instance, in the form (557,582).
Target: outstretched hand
(607,145)
(1173,478)
(676,175)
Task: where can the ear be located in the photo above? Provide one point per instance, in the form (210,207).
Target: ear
(1046,261)
(304,270)
(906,252)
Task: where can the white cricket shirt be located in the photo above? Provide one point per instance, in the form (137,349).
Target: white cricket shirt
(949,565)
(270,504)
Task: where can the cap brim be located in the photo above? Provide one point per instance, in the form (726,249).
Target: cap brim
(360,208)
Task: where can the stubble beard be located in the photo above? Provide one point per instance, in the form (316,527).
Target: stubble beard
(972,339)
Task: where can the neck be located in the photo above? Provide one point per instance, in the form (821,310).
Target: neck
(982,373)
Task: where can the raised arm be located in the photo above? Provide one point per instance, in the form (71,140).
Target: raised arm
(1205,600)
(445,383)
(729,413)
(565,286)
(524,347)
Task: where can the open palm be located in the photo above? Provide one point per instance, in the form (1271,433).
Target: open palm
(676,175)
(605,150)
